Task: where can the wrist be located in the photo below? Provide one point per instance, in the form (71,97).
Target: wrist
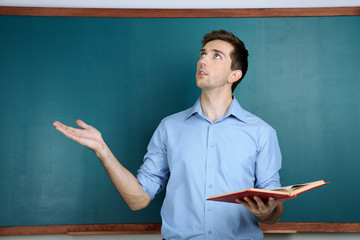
(102,151)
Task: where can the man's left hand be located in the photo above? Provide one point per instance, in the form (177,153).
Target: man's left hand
(269,212)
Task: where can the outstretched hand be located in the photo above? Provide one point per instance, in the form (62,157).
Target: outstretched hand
(89,136)
(125,182)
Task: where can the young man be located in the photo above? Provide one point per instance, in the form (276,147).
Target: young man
(213,148)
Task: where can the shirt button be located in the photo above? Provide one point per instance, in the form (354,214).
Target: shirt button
(209,232)
(211,165)
(210,186)
(209,209)
(212,145)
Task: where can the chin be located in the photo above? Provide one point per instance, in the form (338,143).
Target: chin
(198,83)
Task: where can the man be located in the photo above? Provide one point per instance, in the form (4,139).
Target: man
(213,148)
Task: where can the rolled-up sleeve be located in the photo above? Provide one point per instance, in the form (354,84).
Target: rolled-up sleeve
(154,172)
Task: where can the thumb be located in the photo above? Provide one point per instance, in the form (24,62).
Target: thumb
(81,124)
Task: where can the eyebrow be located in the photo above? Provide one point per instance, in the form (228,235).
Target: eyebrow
(213,50)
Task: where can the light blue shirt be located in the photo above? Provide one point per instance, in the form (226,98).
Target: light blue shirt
(197,159)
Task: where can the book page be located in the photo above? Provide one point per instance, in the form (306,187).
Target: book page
(304,187)
(293,188)
(289,189)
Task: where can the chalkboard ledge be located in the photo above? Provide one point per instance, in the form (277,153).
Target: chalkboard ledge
(154,228)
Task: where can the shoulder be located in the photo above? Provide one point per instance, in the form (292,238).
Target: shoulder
(176,117)
(172,125)
(248,119)
(256,121)
(261,128)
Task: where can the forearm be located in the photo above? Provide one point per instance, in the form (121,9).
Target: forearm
(124,181)
(275,215)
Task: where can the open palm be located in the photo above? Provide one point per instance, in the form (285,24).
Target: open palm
(88,136)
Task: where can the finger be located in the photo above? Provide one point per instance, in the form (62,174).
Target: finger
(59,126)
(57,123)
(242,202)
(82,124)
(250,203)
(63,128)
(263,207)
(72,133)
(259,202)
(272,202)
(73,136)
(77,135)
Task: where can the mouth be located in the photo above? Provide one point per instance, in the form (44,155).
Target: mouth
(202,73)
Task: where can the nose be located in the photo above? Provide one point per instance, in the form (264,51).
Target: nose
(203,61)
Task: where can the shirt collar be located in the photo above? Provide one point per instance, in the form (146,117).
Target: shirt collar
(195,109)
(234,110)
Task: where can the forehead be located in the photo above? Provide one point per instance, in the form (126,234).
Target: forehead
(220,45)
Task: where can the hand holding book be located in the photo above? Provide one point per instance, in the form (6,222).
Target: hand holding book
(268,212)
(266,205)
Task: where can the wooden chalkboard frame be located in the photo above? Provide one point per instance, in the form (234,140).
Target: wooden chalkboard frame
(179,13)
(154,228)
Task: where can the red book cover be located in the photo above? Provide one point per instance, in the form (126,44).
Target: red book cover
(281,193)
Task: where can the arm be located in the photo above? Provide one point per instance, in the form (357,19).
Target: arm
(124,181)
(268,164)
(268,213)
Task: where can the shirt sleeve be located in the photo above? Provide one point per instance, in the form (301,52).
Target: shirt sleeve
(268,161)
(154,172)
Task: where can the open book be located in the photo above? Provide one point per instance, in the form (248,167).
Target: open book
(280,193)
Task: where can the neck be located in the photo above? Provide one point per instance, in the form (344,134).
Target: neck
(215,105)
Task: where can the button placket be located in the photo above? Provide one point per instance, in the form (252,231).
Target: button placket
(209,184)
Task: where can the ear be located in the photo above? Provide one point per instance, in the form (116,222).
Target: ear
(235,75)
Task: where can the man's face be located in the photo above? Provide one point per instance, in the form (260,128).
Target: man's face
(214,65)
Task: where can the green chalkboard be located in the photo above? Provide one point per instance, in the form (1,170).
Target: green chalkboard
(123,75)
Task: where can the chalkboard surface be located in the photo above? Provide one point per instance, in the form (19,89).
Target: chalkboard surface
(123,75)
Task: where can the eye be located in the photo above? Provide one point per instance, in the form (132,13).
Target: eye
(202,54)
(217,56)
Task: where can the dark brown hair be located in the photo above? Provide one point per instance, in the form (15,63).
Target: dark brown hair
(239,56)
